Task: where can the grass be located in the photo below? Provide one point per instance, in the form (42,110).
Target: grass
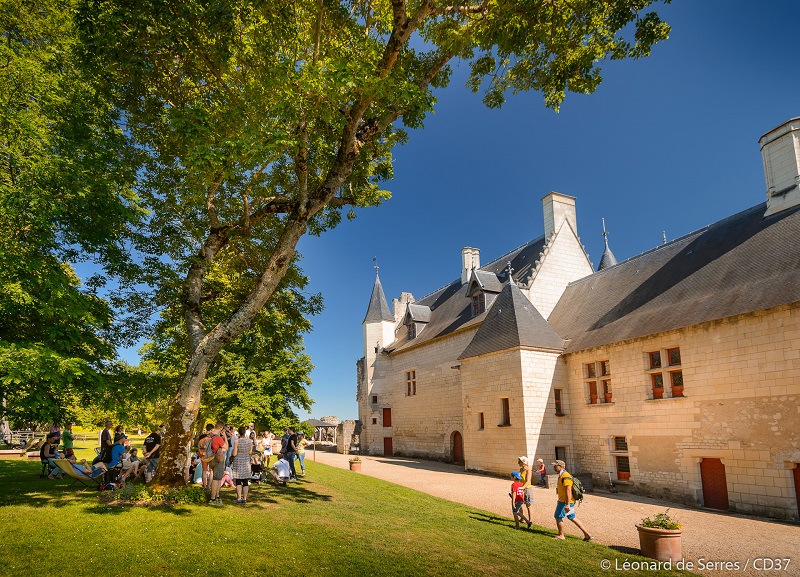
(332,522)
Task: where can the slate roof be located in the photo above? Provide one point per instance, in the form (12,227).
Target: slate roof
(488,281)
(451,309)
(378,309)
(419,313)
(608,258)
(512,321)
(742,264)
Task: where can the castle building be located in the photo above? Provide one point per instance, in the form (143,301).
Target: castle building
(675,373)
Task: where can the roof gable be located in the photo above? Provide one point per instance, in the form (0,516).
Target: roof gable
(512,322)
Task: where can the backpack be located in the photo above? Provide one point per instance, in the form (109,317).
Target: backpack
(577,490)
(205,445)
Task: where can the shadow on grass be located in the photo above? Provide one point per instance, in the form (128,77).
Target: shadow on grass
(505,522)
(21,486)
(625,550)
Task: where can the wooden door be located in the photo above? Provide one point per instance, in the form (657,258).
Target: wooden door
(387,417)
(715,485)
(458,448)
(387,447)
(796,473)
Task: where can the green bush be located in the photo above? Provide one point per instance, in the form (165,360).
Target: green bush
(142,494)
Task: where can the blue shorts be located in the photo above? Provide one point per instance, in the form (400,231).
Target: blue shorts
(516,507)
(561,513)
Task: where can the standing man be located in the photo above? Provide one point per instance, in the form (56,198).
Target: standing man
(250,433)
(105,445)
(152,450)
(69,446)
(291,452)
(566,504)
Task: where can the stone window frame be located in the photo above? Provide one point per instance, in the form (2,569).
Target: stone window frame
(558,399)
(411,382)
(597,381)
(505,412)
(412,331)
(481,421)
(664,377)
(620,457)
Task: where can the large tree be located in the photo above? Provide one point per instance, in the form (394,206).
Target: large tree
(63,196)
(261,121)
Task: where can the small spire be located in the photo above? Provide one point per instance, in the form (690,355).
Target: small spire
(664,235)
(509,270)
(378,310)
(608,258)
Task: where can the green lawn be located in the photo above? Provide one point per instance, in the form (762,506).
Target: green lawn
(332,522)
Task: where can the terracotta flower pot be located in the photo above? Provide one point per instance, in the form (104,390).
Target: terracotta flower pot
(660,544)
(355,466)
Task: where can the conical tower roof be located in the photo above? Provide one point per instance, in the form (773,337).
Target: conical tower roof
(378,309)
(512,322)
(608,257)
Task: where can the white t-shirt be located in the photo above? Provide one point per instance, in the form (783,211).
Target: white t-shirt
(282,468)
(249,434)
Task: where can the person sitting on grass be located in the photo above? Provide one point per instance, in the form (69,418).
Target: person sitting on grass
(517,495)
(280,471)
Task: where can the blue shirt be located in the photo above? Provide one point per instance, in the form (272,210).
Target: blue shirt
(116,454)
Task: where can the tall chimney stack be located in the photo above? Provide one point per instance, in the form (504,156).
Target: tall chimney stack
(557,209)
(780,150)
(470,258)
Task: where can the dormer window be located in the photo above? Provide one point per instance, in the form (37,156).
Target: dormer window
(478,304)
(415,319)
(412,331)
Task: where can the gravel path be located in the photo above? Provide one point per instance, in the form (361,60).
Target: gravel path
(710,538)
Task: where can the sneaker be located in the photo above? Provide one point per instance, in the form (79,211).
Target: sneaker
(529,524)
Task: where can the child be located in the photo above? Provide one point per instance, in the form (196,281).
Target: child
(280,470)
(517,495)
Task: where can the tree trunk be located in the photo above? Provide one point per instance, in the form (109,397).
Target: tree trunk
(176,447)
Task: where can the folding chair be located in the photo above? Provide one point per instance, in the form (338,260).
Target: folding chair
(85,480)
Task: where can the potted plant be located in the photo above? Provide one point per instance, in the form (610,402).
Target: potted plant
(660,537)
(355,464)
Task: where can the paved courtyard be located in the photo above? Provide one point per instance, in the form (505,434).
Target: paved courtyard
(710,538)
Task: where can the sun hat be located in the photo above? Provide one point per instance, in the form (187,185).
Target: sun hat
(523,460)
(516,475)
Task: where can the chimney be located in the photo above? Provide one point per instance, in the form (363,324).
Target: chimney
(470,258)
(558,208)
(780,150)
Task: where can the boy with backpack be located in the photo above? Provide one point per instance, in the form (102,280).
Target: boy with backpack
(517,495)
(566,501)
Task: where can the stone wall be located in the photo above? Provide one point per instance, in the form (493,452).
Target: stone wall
(742,392)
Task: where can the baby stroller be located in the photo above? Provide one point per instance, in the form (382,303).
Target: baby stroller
(256,467)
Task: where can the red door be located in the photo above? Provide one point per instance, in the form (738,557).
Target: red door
(715,485)
(796,474)
(458,448)
(387,417)
(387,447)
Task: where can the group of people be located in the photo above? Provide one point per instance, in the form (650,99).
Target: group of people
(233,457)
(114,454)
(521,494)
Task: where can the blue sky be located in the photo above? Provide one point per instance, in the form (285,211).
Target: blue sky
(669,143)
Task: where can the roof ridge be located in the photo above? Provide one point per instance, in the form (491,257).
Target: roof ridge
(502,256)
(697,232)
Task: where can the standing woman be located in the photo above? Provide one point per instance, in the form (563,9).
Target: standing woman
(302,443)
(241,466)
(266,446)
(527,476)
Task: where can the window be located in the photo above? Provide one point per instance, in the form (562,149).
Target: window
(619,452)
(480,421)
(559,407)
(412,331)
(660,375)
(374,421)
(411,383)
(505,413)
(591,372)
(478,304)
(387,417)
(374,399)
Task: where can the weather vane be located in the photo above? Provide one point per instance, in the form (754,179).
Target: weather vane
(375,260)
(510,270)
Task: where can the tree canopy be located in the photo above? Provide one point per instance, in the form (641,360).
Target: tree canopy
(64,196)
(257,122)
